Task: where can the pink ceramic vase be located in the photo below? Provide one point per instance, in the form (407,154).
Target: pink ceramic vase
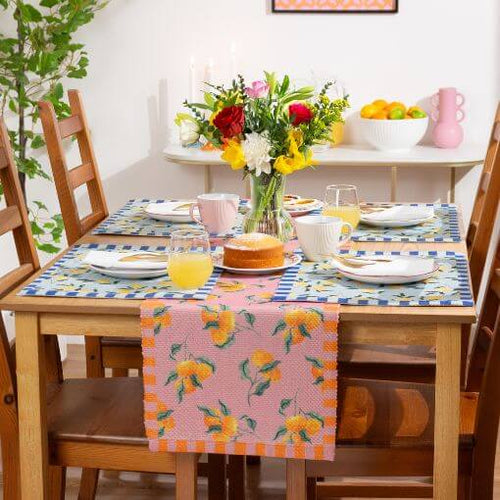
(448,114)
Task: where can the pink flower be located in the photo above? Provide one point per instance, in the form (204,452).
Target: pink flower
(300,113)
(258,90)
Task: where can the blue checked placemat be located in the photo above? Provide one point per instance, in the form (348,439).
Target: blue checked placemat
(444,227)
(320,282)
(131,220)
(70,277)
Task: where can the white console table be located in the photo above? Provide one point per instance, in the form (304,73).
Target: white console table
(466,156)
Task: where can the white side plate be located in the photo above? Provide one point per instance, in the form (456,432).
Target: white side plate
(130,274)
(290,261)
(395,223)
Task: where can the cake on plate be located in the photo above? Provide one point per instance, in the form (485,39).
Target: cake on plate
(254,251)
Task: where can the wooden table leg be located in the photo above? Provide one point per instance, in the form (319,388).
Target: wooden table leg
(31,392)
(453,182)
(186,476)
(217,478)
(208,179)
(237,474)
(394,183)
(296,480)
(447,402)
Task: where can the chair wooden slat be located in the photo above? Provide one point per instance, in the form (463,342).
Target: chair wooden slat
(15,277)
(90,221)
(10,219)
(70,126)
(4,161)
(485,208)
(66,180)
(495,283)
(81,175)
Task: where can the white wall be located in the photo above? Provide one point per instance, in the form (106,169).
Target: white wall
(134,44)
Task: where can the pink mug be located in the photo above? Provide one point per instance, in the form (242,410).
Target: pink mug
(218,211)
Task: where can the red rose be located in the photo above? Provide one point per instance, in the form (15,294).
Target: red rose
(230,121)
(299,113)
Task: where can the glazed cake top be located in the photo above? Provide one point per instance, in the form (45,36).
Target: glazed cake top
(254,241)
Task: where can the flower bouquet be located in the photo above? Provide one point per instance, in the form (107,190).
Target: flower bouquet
(266,130)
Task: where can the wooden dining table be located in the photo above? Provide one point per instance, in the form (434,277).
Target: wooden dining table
(36,317)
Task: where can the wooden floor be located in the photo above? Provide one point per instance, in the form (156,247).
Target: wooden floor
(266,482)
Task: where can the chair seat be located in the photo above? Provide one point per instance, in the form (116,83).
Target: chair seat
(121,342)
(404,363)
(394,414)
(103,410)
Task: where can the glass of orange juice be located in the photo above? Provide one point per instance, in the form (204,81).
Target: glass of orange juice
(341,200)
(190,262)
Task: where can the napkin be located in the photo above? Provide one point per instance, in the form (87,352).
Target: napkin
(404,266)
(113,260)
(401,213)
(179,208)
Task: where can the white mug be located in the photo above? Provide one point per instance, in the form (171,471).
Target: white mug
(218,211)
(320,236)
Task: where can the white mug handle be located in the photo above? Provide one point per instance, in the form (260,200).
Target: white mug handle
(345,237)
(191,213)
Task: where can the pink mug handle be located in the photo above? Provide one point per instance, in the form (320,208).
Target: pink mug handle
(191,213)
(435,100)
(435,115)
(462,115)
(461,98)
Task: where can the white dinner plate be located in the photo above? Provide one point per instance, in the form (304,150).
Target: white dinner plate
(395,223)
(290,261)
(388,279)
(296,208)
(181,217)
(130,274)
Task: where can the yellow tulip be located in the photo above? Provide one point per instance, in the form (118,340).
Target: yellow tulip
(233,154)
(284,165)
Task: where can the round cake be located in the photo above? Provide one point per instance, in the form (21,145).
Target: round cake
(254,251)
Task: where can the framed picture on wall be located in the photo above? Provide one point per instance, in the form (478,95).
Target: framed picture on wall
(336,6)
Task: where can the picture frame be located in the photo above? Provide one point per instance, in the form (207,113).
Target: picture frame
(277,9)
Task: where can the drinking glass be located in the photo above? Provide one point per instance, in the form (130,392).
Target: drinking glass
(341,200)
(190,262)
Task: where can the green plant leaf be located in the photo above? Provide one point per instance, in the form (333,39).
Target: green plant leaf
(173,375)
(285,403)
(224,409)
(261,388)
(207,411)
(304,436)
(206,361)
(244,371)
(269,366)
(49,3)
(317,417)
(214,428)
(251,423)
(315,361)
(279,327)
(159,311)
(162,415)
(174,349)
(279,433)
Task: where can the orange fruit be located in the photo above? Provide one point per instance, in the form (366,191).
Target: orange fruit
(296,423)
(313,426)
(273,375)
(380,104)
(186,368)
(229,426)
(381,115)
(218,337)
(368,111)
(226,321)
(396,104)
(203,371)
(316,372)
(261,358)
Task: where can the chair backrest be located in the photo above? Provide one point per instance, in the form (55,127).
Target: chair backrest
(485,208)
(13,217)
(485,374)
(67,180)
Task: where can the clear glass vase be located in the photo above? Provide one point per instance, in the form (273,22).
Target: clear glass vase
(267,214)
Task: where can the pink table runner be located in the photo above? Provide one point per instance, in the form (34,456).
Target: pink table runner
(240,375)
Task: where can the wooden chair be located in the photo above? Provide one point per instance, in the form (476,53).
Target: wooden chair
(82,432)
(118,354)
(417,364)
(386,428)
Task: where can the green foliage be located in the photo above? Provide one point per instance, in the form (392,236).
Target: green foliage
(32,65)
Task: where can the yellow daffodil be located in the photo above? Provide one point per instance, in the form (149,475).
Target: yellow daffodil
(233,154)
(296,160)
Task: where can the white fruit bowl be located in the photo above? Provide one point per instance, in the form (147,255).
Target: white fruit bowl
(394,135)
